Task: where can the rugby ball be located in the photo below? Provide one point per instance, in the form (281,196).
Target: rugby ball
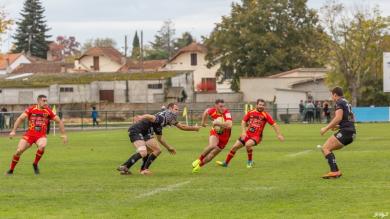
(219,120)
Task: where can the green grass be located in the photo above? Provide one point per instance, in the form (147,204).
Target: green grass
(79,181)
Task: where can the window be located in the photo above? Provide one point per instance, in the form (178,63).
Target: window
(96,63)
(194,59)
(155,86)
(106,95)
(66,89)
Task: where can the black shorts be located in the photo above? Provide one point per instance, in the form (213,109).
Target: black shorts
(345,137)
(139,136)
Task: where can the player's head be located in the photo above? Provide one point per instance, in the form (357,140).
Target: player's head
(337,93)
(173,107)
(42,100)
(260,105)
(220,105)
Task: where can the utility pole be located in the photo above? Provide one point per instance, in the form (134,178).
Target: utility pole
(126,47)
(169,41)
(142,51)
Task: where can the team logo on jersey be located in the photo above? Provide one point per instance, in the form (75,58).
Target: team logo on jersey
(228,116)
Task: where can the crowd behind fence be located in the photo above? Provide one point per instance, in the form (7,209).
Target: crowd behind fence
(83,120)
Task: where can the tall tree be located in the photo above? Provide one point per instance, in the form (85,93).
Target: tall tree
(356,45)
(136,51)
(31,33)
(162,46)
(185,40)
(264,37)
(5,23)
(98,42)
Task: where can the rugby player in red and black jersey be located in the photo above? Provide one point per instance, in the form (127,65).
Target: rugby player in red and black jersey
(252,126)
(38,116)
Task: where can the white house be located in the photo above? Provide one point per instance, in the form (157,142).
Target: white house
(287,88)
(100,59)
(9,62)
(192,57)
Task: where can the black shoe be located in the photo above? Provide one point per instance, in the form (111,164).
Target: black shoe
(36,169)
(9,173)
(123,170)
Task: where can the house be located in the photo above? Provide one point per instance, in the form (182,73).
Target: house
(43,67)
(100,59)
(146,65)
(8,62)
(193,57)
(287,88)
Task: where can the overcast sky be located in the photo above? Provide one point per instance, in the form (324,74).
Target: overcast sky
(87,19)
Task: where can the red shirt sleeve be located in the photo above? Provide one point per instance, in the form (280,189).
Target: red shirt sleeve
(246,117)
(270,120)
(228,115)
(28,111)
(51,113)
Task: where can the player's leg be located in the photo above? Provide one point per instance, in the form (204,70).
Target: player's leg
(327,149)
(156,151)
(237,145)
(144,159)
(213,144)
(249,150)
(205,151)
(23,145)
(141,152)
(210,156)
(41,143)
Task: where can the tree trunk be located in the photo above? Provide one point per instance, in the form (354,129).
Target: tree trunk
(353,90)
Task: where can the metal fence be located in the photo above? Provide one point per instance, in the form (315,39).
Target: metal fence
(82,120)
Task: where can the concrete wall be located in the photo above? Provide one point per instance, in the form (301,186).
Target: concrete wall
(21,95)
(211,97)
(289,99)
(105,64)
(319,90)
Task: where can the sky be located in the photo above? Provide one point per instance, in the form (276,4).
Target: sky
(86,19)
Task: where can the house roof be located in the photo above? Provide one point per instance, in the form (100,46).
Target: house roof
(44,67)
(148,65)
(299,70)
(110,52)
(307,80)
(8,59)
(193,47)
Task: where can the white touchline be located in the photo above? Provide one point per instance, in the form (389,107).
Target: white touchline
(168,188)
(299,153)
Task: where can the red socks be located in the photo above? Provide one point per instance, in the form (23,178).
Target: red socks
(15,161)
(230,156)
(250,153)
(38,156)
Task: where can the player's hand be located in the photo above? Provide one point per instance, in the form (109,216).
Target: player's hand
(323,131)
(196,128)
(12,134)
(137,118)
(337,127)
(243,135)
(172,151)
(281,137)
(203,125)
(64,139)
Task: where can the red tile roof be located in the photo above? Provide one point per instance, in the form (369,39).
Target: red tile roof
(8,59)
(44,67)
(149,65)
(110,52)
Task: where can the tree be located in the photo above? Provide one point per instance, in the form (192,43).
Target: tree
(98,42)
(31,33)
(64,48)
(356,45)
(136,52)
(5,23)
(162,46)
(264,37)
(185,40)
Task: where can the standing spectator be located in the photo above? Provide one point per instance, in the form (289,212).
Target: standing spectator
(302,110)
(310,111)
(318,111)
(2,117)
(94,116)
(327,112)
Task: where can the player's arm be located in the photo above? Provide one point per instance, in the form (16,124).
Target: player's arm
(277,131)
(187,127)
(334,123)
(62,128)
(164,143)
(204,118)
(226,124)
(18,121)
(150,118)
(244,126)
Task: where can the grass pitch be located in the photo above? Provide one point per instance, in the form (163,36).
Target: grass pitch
(79,180)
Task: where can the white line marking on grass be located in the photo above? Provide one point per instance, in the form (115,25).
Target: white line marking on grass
(299,153)
(168,188)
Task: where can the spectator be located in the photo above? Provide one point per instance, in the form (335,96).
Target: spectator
(302,110)
(94,116)
(318,111)
(310,111)
(327,112)
(2,117)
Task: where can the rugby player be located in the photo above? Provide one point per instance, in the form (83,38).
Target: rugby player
(141,134)
(252,126)
(344,122)
(219,134)
(38,117)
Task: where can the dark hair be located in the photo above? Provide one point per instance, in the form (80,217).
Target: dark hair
(94,108)
(260,100)
(338,91)
(41,96)
(171,105)
(217,101)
